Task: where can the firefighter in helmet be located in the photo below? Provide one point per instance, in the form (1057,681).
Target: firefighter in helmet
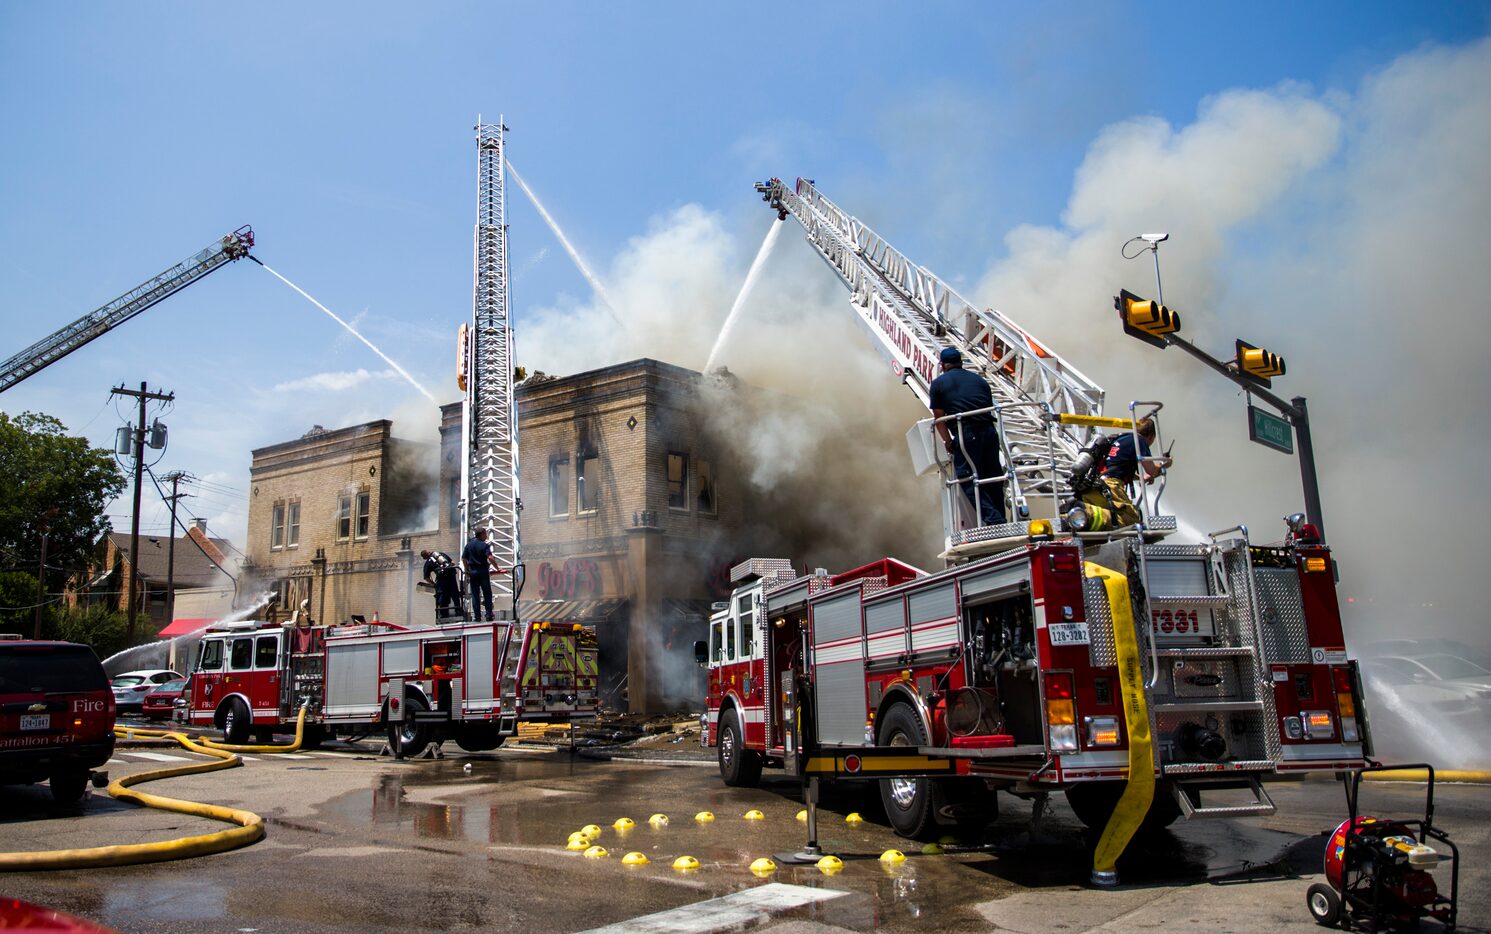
(1107,500)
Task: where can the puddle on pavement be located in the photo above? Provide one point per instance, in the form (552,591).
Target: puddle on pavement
(536,801)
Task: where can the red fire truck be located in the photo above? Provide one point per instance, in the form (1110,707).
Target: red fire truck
(470,682)
(1003,674)
(1047,656)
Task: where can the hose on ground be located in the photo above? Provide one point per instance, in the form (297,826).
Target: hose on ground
(249,829)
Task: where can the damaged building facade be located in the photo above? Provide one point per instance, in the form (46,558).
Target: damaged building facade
(631,520)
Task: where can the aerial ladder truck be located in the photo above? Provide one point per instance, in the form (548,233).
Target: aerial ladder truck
(107,317)
(1146,680)
(468,680)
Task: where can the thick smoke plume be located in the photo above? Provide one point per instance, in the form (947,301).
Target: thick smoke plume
(1347,231)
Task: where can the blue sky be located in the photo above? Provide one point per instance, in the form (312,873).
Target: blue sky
(136,134)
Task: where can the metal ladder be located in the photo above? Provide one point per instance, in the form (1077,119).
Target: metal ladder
(1225,590)
(912,315)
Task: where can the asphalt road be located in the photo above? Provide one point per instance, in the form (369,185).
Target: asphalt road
(361,843)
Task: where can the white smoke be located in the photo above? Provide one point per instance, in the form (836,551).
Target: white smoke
(1347,232)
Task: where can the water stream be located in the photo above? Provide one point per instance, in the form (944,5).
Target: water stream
(154,655)
(355,333)
(574,254)
(767,243)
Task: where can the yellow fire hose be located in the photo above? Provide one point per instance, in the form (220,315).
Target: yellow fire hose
(1139,792)
(1473,777)
(250,827)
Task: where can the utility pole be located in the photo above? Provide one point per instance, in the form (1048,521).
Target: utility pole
(45,524)
(175,476)
(144,395)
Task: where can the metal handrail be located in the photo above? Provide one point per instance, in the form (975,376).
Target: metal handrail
(1253,611)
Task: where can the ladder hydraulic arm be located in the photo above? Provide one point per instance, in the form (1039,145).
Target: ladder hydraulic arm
(100,321)
(912,315)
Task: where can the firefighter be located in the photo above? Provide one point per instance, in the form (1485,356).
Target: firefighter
(1122,468)
(480,562)
(954,392)
(441,571)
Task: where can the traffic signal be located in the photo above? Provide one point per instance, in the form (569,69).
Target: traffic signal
(1257,364)
(1149,321)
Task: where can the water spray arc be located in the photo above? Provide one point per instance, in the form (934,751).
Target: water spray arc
(574,254)
(354,332)
(767,244)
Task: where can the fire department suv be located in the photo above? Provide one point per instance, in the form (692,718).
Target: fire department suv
(471,682)
(1004,674)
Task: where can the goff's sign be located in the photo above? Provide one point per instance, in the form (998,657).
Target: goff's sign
(577,577)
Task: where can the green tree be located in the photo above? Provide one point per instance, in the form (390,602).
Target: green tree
(50,477)
(17,603)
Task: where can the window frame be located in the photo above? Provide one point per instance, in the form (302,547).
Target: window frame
(274,660)
(344,517)
(562,486)
(292,524)
(232,660)
(583,463)
(682,459)
(363,516)
(218,657)
(704,468)
(277,526)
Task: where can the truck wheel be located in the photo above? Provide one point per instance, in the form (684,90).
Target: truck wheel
(409,738)
(911,804)
(739,767)
(1324,903)
(479,737)
(237,722)
(1094,802)
(68,787)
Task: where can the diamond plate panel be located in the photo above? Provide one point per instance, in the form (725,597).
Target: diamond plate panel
(1285,636)
(1100,650)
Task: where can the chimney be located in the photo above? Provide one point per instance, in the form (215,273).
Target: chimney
(200,525)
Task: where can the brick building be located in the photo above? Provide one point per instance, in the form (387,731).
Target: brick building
(631,520)
(339,517)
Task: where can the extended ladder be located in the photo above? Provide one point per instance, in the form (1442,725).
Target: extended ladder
(105,318)
(912,315)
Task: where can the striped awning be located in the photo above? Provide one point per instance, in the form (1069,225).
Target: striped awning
(564,611)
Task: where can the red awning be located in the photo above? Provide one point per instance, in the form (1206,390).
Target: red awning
(184,627)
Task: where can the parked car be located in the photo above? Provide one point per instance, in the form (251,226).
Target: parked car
(160,702)
(130,687)
(56,716)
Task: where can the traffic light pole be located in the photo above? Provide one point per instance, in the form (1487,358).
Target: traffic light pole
(1295,410)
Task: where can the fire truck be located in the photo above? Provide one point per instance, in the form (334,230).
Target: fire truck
(466,681)
(1045,656)
(463,680)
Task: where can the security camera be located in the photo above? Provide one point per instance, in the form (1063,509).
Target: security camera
(1154,237)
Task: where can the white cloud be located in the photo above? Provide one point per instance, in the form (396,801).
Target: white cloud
(339,381)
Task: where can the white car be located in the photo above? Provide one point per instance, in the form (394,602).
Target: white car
(130,687)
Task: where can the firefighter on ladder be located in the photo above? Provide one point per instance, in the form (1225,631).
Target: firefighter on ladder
(1105,496)
(440,570)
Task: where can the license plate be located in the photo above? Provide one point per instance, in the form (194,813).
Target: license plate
(42,721)
(1068,633)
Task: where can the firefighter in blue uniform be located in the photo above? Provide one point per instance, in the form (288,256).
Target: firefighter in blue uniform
(976,453)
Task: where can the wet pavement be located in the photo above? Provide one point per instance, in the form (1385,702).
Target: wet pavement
(360,843)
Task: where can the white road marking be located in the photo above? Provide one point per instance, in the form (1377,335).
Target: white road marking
(248,758)
(292,755)
(156,756)
(739,909)
(114,762)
